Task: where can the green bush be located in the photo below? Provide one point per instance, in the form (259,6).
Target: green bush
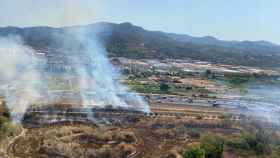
(3,120)
(194,151)
(4,126)
(213,145)
(7,128)
(257,142)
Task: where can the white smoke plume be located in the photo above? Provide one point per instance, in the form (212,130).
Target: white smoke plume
(23,81)
(20,77)
(98,78)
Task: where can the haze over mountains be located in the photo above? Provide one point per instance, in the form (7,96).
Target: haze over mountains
(127,40)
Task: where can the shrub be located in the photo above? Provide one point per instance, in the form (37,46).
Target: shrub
(7,128)
(258,142)
(194,151)
(3,120)
(213,145)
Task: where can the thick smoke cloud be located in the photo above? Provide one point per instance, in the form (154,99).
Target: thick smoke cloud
(99,84)
(20,79)
(23,77)
(24,81)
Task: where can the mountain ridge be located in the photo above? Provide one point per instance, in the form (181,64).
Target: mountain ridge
(128,40)
(264,42)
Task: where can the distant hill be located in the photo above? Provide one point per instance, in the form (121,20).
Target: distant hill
(131,41)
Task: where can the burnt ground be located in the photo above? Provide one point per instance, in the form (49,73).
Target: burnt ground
(148,137)
(165,134)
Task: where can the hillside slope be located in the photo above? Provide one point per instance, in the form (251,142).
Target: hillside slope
(131,41)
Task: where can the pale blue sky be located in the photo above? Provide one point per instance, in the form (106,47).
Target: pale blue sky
(225,19)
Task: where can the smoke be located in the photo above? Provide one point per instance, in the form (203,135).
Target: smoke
(20,79)
(24,81)
(98,79)
(260,102)
(263,101)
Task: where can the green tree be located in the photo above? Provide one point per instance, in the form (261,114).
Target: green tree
(263,140)
(7,128)
(213,145)
(194,151)
(255,141)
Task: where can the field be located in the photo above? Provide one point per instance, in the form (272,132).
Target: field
(165,134)
(193,111)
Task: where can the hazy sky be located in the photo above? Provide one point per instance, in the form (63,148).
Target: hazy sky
(225,19)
